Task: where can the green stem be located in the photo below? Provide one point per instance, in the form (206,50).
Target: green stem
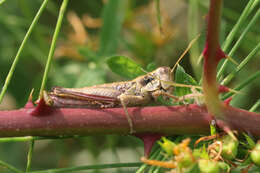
(255,106)
(153,156)
(241,65)
(250,6)
(53,44)
(17,57)
(211,59)
(243,84)
(193,31)
(158,14)
(88,167)
(29,156)
(10,167)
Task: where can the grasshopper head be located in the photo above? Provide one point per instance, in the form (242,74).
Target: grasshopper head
(157,79)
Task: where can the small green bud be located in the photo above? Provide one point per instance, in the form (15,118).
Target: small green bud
(224,166)
(185,160)
(229,150)
(208,166)
(255,154)
(167,145)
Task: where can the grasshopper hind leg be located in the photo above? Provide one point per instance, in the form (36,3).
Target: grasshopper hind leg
(129,120)
(131,100)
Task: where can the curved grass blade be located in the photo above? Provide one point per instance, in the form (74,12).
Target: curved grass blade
(158,14)
(29,156)
(255,106)
(53,44)
(89,167)
(113,16)
(241,21)
(10,167)
(243,84)
(241,65)
(17,57)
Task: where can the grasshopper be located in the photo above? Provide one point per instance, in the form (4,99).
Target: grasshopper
(137,92)
(140,91)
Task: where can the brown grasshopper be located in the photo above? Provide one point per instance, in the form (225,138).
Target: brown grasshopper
(137,92)
(140,91)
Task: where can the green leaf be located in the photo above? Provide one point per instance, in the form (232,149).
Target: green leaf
(250,141)
(125,67)
(182,77)
(113,16)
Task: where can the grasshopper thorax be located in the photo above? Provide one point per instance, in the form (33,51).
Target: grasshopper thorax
(157,80)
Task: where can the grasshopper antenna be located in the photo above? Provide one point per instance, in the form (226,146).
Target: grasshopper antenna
(185,52)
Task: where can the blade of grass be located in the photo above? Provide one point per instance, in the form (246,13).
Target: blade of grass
(255,106)
(29,138)
(17,57)
(29,156)
(153,156)
(158,14)
(192,32)
(241,21)
(241,65)
(10,167)
(243,84)
(153,168)
(239,41)
(113,16)
(53,44)
(248,9)
(157,169)
(88,167)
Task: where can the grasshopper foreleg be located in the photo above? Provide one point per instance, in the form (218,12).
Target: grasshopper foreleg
(158,93)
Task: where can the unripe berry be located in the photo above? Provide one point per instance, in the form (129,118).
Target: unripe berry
(255,154)
(230,145)
(208,166)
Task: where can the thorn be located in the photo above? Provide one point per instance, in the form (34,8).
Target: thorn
(41,109)
(219,54)
(226,129)
(148,139)
(223,89)
(29,103)
(227,101)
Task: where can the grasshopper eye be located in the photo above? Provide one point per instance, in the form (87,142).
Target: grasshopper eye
(148,80)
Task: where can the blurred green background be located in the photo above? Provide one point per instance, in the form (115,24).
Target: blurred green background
(91,32)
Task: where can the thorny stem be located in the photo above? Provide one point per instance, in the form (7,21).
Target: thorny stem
(187,119)
(212,54)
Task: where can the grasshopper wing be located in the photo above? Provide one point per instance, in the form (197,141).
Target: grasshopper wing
(87,97)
